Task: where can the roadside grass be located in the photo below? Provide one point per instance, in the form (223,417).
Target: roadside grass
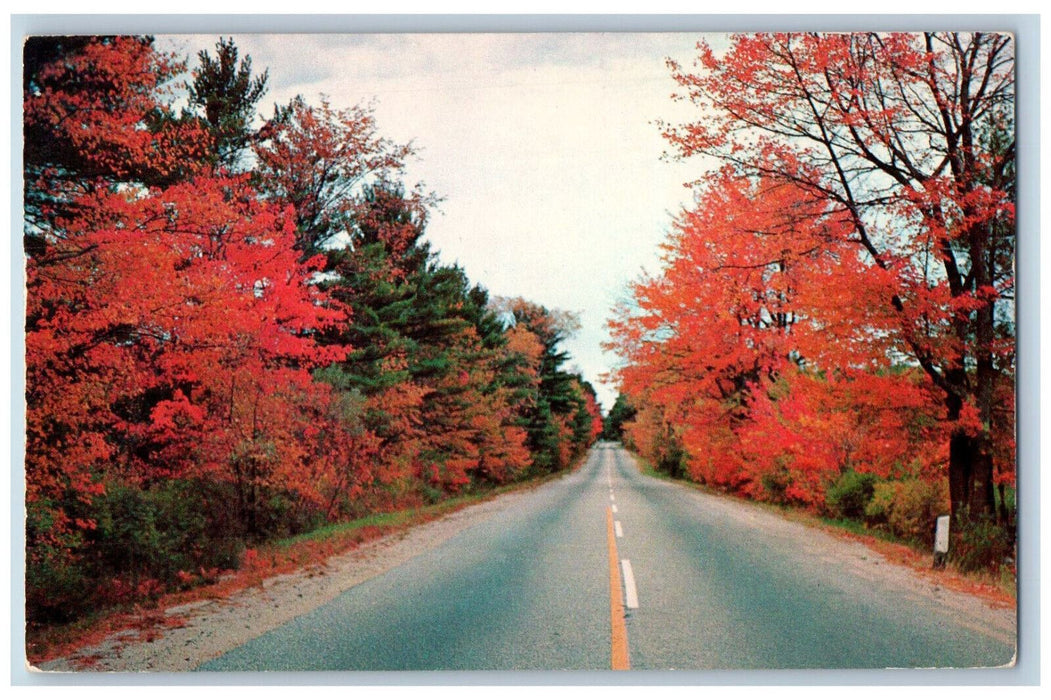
(997,587)
(307,551)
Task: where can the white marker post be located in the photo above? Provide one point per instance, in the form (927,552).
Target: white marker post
(941,540)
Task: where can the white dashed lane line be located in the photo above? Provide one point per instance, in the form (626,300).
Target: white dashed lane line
(631,594)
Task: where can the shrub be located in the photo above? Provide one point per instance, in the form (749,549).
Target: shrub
(152,533)
(145,541)
(908,508)
(877,510)
(775,485)
(279,515)
(782,486)
(670,456)
(850,494)
(56,586)
(980,544)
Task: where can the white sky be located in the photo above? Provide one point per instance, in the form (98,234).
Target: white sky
(543,147)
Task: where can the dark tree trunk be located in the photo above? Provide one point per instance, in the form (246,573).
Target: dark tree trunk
(971,490)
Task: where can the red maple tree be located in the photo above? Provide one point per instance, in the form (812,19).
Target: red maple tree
(901,146)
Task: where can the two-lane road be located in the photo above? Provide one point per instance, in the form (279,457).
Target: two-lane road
(608,567)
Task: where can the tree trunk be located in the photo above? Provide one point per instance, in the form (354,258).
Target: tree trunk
(971,494)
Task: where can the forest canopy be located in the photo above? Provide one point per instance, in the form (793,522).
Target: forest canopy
(835,313)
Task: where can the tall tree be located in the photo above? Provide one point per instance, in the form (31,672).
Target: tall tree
(619,413)
(92,119)
(550,413)
(169,324)
(319,160)
(216,356)
(908,138)
(227,93)
(428,353)
(757,356)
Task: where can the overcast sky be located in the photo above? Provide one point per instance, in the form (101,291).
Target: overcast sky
(543,147)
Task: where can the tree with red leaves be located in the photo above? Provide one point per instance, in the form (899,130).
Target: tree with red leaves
(904,143)
(169,324)
(740,353)
(321,161)
(223,349)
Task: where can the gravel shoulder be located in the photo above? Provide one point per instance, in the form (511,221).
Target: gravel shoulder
(846,558)
(210,628)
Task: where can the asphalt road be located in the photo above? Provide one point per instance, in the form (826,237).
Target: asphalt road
(710,583)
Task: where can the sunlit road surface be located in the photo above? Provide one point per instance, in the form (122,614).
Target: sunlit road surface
(609,569)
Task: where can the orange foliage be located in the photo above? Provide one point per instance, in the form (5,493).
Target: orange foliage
(839,297)
(740,355)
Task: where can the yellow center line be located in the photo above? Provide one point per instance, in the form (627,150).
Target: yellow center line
(618,629)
